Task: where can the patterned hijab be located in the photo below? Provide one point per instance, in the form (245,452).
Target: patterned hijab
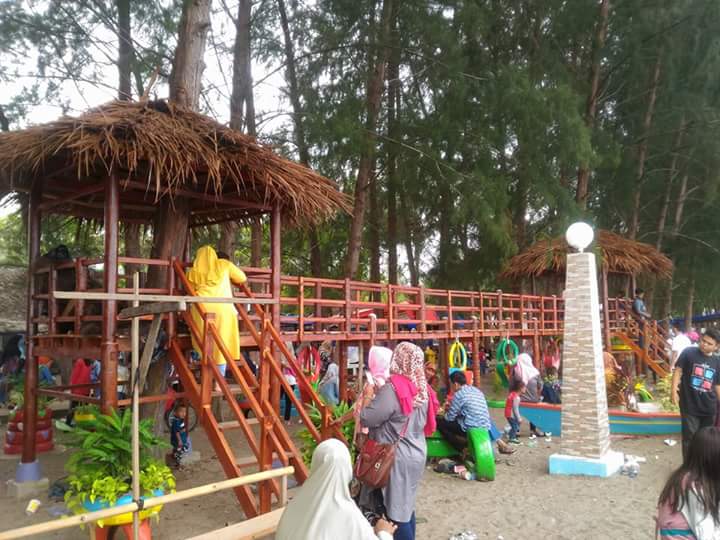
(409,360)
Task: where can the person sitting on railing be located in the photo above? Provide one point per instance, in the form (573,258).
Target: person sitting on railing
(323,508)
(213,277)
(641,312)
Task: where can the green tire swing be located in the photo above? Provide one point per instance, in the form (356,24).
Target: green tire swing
(502,359)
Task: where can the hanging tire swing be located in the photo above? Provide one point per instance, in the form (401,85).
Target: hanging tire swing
(309,359)
(457,356)
(503,362)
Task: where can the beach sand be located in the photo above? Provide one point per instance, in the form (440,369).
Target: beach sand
(523,502)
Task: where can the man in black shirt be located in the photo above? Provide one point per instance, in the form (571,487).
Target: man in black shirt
(697,377)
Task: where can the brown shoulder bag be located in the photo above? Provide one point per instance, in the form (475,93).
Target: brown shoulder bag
(375,461)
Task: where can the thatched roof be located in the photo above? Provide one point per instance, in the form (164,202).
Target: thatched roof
(13,300)
(157,149)
(619,255)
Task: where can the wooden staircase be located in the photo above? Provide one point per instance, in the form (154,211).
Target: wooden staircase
(647,340)
(271,440)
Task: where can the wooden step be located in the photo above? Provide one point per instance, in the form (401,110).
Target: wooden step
(235,390)
(247,461)
(235,424)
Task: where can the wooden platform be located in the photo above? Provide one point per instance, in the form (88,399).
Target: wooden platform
(251,529)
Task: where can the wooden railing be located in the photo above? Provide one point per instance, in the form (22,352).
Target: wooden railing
(313,309)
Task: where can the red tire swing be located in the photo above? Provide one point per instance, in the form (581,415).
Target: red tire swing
(310,363)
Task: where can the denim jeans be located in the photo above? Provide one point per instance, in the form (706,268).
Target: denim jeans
(514,427)
(405,531)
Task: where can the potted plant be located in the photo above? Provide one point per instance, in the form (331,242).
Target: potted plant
(43,424)
(100,468)
(85,413)
(308,442)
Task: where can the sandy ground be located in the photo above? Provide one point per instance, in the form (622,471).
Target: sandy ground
(523,502)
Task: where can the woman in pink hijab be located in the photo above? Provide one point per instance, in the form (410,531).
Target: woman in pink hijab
(379,365)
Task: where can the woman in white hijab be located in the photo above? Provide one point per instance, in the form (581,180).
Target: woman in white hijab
(323,509)
(530,376)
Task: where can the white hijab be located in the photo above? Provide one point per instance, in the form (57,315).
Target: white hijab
(525,368)
(322,508)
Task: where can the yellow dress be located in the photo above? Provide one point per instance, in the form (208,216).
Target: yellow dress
(211,276)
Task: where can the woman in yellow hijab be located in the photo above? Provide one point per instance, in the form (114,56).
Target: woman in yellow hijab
(211,276)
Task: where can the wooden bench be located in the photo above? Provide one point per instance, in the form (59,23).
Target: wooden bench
(251,529)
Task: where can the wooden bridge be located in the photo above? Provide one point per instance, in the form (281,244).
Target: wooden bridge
(305,310)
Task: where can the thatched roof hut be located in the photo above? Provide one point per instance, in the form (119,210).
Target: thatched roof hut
(157,149)
(618,255)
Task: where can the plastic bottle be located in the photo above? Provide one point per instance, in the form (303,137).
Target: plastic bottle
(467,475)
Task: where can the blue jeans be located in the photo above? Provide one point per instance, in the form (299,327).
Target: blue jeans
(514,427)
(405,531)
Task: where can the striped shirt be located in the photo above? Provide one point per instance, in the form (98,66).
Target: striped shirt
(469,409)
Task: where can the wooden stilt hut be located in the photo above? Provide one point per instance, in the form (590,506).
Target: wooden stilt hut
(621,263)
(119,163)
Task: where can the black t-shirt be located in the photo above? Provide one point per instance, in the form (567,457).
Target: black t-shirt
(700,375)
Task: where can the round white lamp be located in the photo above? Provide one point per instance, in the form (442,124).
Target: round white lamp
(579,235)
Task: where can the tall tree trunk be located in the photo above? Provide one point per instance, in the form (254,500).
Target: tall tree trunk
(642,150)
(367,153)
(130,231)
(170,225)
(316,257)
(4,122)
(124,50)
(373,229)
(226,242)
(188,65)
(407,227)
(690,301)
(583,185)
(680,205)
(256,242)
(672,171)
(445,232)
(242,116)
(393,78)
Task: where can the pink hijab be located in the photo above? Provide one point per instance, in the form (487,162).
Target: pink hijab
(379,363)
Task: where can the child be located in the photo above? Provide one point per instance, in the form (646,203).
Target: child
(551,386)
(512,409)
(689,505)
(179,433)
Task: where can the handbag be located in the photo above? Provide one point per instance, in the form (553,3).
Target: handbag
(375,461)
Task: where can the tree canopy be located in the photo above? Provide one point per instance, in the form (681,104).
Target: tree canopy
(497,123)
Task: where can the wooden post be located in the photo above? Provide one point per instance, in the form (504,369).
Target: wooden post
(449,315)
(275,290)
(476,353)
(136,407)
(606,309)
(80,285)
(206,375)
(108,360)
(361,367)
(348,309)
(501,322)
(390,315)
(172,317)
(536,350)
(423,323)
(301,308)
(52,303)
(342,368)
(373,328)
(31,364)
